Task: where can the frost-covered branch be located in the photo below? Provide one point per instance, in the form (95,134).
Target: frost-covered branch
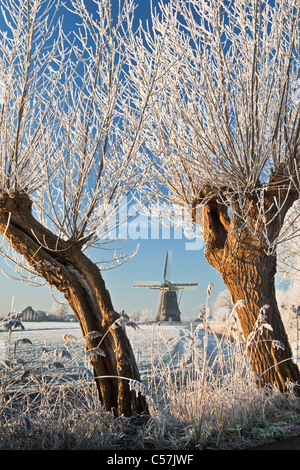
(227,114)
(72,134)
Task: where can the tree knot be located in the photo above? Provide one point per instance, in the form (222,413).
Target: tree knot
(19,201)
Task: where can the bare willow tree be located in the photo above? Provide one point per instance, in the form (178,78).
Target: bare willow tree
(70,147)
(226,126)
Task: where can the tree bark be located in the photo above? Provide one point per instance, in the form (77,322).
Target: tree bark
(63,265)
(241,257)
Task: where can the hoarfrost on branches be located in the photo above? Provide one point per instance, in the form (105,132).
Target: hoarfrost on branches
(226,119)
(71,134)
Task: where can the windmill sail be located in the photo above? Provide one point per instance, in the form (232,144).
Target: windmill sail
(167,266)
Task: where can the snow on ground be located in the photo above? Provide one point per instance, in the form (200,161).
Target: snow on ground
(168,343)
(152,344)
(43,334)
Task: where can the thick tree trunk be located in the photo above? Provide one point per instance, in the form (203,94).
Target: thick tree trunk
(63,265)
(249,274)
(251,278)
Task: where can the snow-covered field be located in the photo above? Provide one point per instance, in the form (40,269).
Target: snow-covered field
(171,344)
(153,344)
(44,334)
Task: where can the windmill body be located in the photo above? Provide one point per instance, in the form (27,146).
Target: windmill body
(168,308)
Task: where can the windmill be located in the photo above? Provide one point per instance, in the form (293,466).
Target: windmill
(168,308)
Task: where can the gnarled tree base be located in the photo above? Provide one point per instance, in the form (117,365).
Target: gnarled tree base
(63,265)
(249,274)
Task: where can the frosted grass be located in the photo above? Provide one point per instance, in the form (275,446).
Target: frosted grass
(49,401)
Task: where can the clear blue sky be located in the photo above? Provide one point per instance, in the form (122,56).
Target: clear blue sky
(188,265)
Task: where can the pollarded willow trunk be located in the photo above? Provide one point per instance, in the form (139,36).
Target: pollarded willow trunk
(63,265)
(249,274)
(250,277)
